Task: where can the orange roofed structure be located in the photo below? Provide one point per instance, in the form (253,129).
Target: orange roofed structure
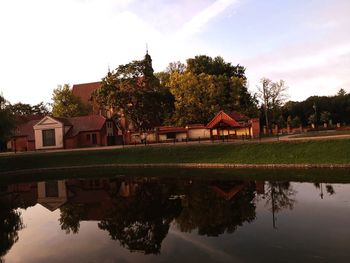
(233,125)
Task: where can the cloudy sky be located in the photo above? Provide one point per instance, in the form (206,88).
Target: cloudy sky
(45,43)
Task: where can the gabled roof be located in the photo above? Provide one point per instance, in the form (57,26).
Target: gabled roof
(26,129)
(84,91)
(238,116)
(52,120)
(227,195)
(86,124)
(223,117)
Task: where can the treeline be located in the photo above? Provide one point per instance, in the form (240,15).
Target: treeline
(182,94)
(320,109)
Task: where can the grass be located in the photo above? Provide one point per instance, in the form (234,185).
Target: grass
(309,152)
(322,134)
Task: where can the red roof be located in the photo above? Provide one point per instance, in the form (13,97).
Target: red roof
(65,121)
(166,129)
(196,126)
(238,116)
(223,117)
(84,91)
(86,123)
(26,129)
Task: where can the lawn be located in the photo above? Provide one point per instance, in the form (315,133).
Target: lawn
(305,152)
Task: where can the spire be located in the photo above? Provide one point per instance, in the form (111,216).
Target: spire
(148,58)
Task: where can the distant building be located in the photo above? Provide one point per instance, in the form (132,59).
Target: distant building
(75,132)
(233,125)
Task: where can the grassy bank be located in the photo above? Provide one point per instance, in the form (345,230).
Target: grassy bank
(310,152)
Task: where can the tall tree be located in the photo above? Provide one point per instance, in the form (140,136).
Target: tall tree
(272,95)
(134,91)
(65,104)
(7,122)
(206,86)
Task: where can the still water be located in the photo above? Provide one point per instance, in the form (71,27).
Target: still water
(150,219)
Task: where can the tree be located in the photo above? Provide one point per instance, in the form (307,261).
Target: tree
(325,117)
(141,222)
(211,214)
(70,216)
(7,122)
(312,119)
(296,122)
(341,92)
(10,224)
(65,104)
(134,91)
(20,109)
(207,86)
(272,95)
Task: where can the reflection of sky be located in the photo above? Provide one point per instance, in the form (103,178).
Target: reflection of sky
(315,230)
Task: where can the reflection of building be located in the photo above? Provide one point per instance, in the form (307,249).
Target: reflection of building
(229,192)
(127,189)
(52,194)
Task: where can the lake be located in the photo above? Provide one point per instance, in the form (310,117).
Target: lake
(171,218)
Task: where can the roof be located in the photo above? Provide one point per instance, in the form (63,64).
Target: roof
(196,126)
(237,116)
(26,129)
(84,91)
(64,121)
(225,118)
(86,123)
(166,129)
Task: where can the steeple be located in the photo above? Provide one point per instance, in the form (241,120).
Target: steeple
(148,58)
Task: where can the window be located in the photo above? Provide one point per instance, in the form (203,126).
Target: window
(51,189)
(171,135)
(88,137)
(49,137)
(94,138)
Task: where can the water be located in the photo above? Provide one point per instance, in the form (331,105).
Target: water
(155,219)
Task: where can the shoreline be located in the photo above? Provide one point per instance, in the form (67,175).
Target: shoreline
(180,165)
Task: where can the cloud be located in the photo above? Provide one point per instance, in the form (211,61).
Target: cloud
(321,72)
(202,18)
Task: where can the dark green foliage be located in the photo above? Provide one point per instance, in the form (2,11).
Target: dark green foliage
(10,224)
(142,221)
(337,106)
(7,122)
(65,104)
(206,86)
(20,109)
(134,91)
(210,214)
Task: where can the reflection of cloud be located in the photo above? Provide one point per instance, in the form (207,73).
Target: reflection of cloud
(219,255)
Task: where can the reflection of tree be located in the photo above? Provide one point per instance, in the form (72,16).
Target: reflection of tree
(70,217)
(141,222)
(212,214)
(329,188)
(279,196)
(10,224)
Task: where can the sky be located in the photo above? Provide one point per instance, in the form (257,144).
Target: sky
(45,43)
